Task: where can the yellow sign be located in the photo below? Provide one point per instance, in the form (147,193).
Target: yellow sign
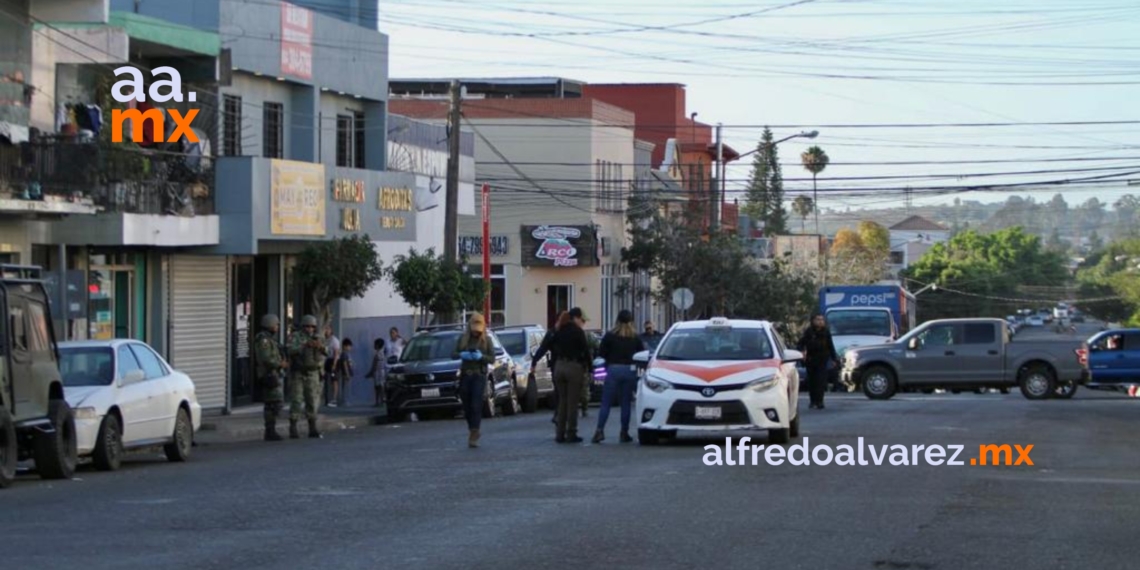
(396,199)
(345,190)
(297,198)
(392,223)
(350,219)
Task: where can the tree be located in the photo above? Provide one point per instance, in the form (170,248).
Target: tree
(458,290)
(342,268)
(1111,278)
(765,199)
(875,238)
(416,278)
(1092,214)
(1126,222)
(803,207)
(1055,243)
(858,257)
(815,161)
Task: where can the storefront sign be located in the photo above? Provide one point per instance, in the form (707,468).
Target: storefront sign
(396,200)
(350,191)
(297,198)
(473,245)
(559,246)
(296,41)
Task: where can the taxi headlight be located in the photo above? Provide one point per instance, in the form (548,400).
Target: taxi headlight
(762,384)
(656,384)
(86,413)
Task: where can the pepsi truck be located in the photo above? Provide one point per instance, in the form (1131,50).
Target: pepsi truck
(860,315)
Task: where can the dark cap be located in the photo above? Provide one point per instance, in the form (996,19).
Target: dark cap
(625,316)
(576,313)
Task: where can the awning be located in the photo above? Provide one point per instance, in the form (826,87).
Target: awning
(165,33)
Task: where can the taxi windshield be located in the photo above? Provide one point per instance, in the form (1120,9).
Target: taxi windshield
(716,344)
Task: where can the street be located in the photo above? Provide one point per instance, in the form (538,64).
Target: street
(413,495)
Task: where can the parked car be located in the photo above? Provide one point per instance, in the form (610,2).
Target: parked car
(535,381)
(1034,321)
(719,375)
(1111,359)
(425,378)
(964,354)
(125,396)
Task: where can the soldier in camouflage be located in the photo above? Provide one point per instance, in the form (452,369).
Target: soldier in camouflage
(271,366)
(307,353)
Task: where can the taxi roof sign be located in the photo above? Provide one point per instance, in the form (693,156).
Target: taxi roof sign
(718,323)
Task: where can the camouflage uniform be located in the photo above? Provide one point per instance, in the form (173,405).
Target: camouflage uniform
(271,366)
(307,353)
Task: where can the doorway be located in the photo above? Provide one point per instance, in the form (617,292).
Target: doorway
(558,299)
(242,364)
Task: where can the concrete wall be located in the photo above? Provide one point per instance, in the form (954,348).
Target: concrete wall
(331,106)
(255,92)
(81,45)
(59,11)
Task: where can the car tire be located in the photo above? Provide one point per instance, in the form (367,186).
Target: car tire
(530,400)
(779,436)
(178,450)
(9,449)
(793,427)
(1004,390)
(489,410)
(511,406)
(648,437)
(879,383)
(1037,383)
(981,390)
(928,390)
(56,453)
(108,454)
(1065,390)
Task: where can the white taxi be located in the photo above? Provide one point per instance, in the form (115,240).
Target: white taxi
(719,375)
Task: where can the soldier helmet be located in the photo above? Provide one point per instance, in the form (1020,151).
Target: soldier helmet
(308,321)
(270,321)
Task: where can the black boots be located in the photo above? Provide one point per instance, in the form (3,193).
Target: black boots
(625,437)
(271,432)
(573,438)
(293,432)
(599,436)
(313,431)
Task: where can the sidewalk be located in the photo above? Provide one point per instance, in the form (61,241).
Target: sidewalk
(247,423)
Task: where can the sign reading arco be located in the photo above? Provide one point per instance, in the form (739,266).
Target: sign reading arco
(559,246)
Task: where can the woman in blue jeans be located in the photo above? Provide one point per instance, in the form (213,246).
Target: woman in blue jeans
(476,353)
(617,349)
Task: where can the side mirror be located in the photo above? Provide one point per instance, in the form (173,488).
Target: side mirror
(642,357)
(393,360)
(133,377)
(913,344)
(793,356)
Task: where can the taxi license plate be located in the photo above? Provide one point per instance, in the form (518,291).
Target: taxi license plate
(707,413)
(429,393)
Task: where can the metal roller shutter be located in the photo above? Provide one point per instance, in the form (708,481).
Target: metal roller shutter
(198,347)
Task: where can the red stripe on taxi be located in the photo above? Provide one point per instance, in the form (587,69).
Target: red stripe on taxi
(713,373)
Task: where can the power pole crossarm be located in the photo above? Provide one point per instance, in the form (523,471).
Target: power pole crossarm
(451,221)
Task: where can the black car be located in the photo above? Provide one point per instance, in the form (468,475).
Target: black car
(425,378)
(535,380)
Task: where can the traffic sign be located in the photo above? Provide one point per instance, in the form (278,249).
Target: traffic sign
(683,299)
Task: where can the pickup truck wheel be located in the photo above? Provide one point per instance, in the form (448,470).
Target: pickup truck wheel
(55,453)
(1065,390)
(8,448)
(1037,383)
(530,400)
(879,383)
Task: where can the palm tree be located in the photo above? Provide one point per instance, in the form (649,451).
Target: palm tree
(815,161)
(803,207)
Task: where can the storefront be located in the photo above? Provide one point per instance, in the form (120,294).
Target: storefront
(560,265)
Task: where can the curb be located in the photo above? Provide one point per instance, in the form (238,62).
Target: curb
(253,430)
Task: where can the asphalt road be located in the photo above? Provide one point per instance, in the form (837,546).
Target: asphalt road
(413,496)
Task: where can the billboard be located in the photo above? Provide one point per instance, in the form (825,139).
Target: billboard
(559,246)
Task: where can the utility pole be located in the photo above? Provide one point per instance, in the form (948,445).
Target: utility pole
(714,191)
(451,222)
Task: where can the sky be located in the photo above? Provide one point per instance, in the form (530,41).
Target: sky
(840,67)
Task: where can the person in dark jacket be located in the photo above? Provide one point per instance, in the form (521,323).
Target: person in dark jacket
(617,348)
(819,351)
(571,351)
(544,350)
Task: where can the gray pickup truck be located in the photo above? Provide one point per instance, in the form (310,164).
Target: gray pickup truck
(963,354)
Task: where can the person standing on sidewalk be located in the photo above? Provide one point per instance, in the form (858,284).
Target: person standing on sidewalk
(332,386)
(378,372)
(544,350)
(617,348)
(572,352)
(475,352)
(819,351)
(271,365)
(343,371)
(307,353)
(651,337)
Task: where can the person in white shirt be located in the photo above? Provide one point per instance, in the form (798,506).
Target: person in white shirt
(332,388)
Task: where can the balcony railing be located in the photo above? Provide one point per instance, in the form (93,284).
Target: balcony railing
(116,177)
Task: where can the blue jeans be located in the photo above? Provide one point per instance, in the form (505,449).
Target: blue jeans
(472,390)
(620,384)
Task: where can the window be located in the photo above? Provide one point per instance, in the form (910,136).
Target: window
(19,330)
(716,344)
(514,342)
(87,366)
(39,339)
(149,361)
(231,125)
(344,140)
(980,334)
(273,131)
(358,136)
(608,179)
(942,335)
(127,362)
(897,258)
(872,323)
(438,346)
(498,316)
(1132,342)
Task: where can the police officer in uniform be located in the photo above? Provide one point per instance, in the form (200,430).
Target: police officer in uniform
(271,366)
(307,352)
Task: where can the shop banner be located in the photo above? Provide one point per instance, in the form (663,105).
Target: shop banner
(298,198)
(296,41)
(559,246)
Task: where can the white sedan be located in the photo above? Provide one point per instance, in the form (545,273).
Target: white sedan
(125,396)
(719,375)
